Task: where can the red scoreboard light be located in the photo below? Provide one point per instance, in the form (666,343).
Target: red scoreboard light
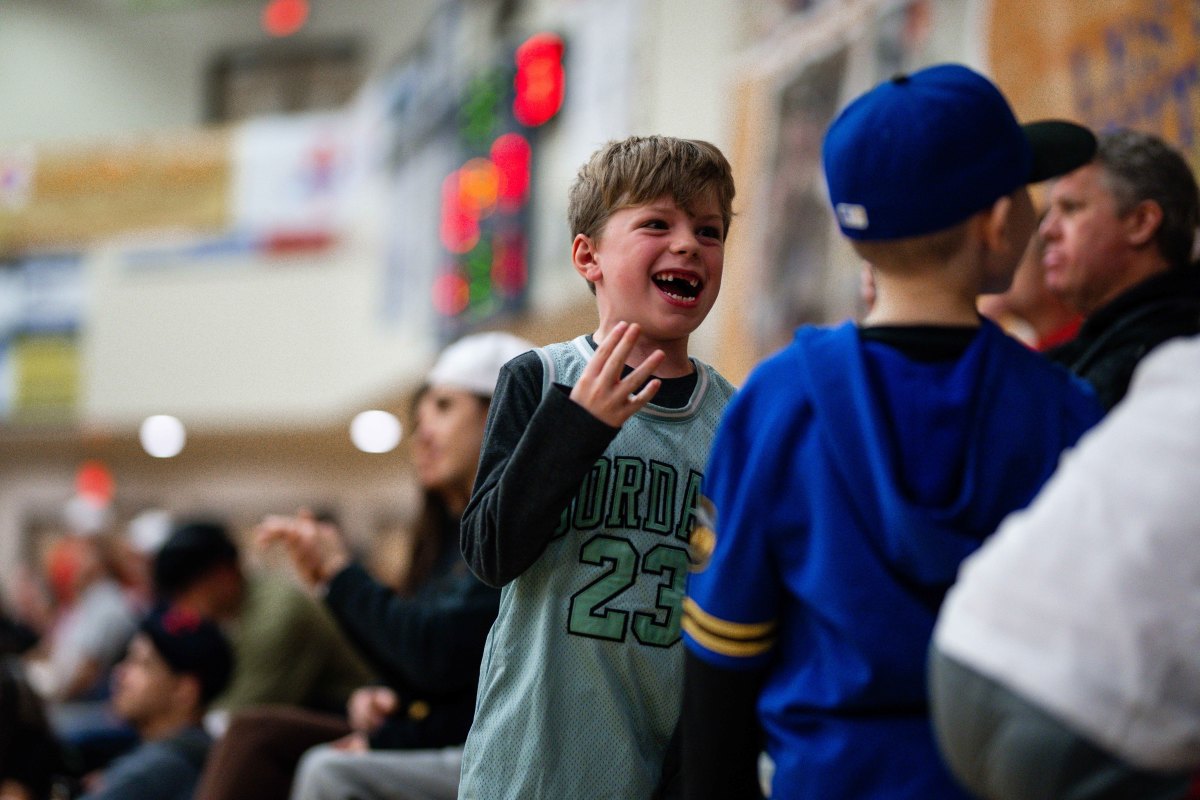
(511,154)
(451,294)
(460,222)
(540,81)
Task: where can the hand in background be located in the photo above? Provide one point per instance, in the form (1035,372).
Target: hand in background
(352,743)
(603,392)
(369,706)
(316,549)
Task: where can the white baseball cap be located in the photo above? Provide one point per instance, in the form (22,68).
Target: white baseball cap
(473,362)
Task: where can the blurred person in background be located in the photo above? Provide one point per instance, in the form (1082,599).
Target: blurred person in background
(32,763)
(1029,310)
(134,552)
(92,626)
(288,649)
(425,635)
(1119,236)
(176,664)
(72,666)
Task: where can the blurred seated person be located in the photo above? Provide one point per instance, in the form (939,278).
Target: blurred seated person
(92,627)
(288,649)
(32,764)
(134,555)
(72,665)
(1029,311)
(425,636)
(176,664)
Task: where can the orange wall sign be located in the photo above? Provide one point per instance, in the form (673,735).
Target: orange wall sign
(77,195)
(1106,63)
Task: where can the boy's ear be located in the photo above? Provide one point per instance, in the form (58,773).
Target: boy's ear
(996,223)
(583,256)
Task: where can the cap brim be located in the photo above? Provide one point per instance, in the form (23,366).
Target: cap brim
(1058,147)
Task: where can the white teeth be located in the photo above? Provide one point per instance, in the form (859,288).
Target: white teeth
(667,276)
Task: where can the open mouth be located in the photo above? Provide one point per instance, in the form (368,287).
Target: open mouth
(678,286)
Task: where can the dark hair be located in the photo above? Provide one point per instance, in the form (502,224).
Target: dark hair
(29,753)
(1137,167)
(190,553)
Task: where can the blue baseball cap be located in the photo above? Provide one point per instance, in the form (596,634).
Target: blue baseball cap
(922,152)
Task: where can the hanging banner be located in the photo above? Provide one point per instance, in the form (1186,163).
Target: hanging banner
(80,195)
(291,174)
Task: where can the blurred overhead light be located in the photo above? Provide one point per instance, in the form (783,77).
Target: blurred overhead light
(162,436)
(375,431)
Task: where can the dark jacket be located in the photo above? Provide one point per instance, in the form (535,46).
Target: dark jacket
(1116,337)
(427,647)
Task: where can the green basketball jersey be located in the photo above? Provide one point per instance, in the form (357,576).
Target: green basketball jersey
(582,676)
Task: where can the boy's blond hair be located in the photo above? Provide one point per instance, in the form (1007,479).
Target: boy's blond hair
(640,169)
(899,255)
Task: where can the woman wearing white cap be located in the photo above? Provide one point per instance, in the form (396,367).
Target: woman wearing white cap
(425,640)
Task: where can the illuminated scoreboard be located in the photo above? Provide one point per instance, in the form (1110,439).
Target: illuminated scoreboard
(484,221)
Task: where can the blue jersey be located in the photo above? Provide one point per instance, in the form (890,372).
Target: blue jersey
(847,481)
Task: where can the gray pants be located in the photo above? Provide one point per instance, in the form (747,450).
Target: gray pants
(326,773)
(1004,748)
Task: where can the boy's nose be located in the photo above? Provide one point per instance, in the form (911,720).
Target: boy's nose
(685,242)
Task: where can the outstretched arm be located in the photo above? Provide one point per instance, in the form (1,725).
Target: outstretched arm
(432,644)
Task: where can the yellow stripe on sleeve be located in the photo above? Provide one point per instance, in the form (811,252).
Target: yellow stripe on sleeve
(737,639)
(726,647)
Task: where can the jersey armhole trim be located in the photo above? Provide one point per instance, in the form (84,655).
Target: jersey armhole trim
(548,373)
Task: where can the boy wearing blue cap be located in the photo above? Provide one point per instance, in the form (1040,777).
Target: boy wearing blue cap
(862,463)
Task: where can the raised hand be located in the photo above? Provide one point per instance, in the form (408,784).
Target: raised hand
(316,549)
(603,392)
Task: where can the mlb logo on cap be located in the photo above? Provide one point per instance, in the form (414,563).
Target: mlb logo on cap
(852,216)
(923,152)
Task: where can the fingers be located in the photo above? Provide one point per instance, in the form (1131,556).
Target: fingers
(370,706)
(602,390)
(624,337)
(299,537)
(639,400)
(274,528)
(644,371)
(384,700)
(351,743)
